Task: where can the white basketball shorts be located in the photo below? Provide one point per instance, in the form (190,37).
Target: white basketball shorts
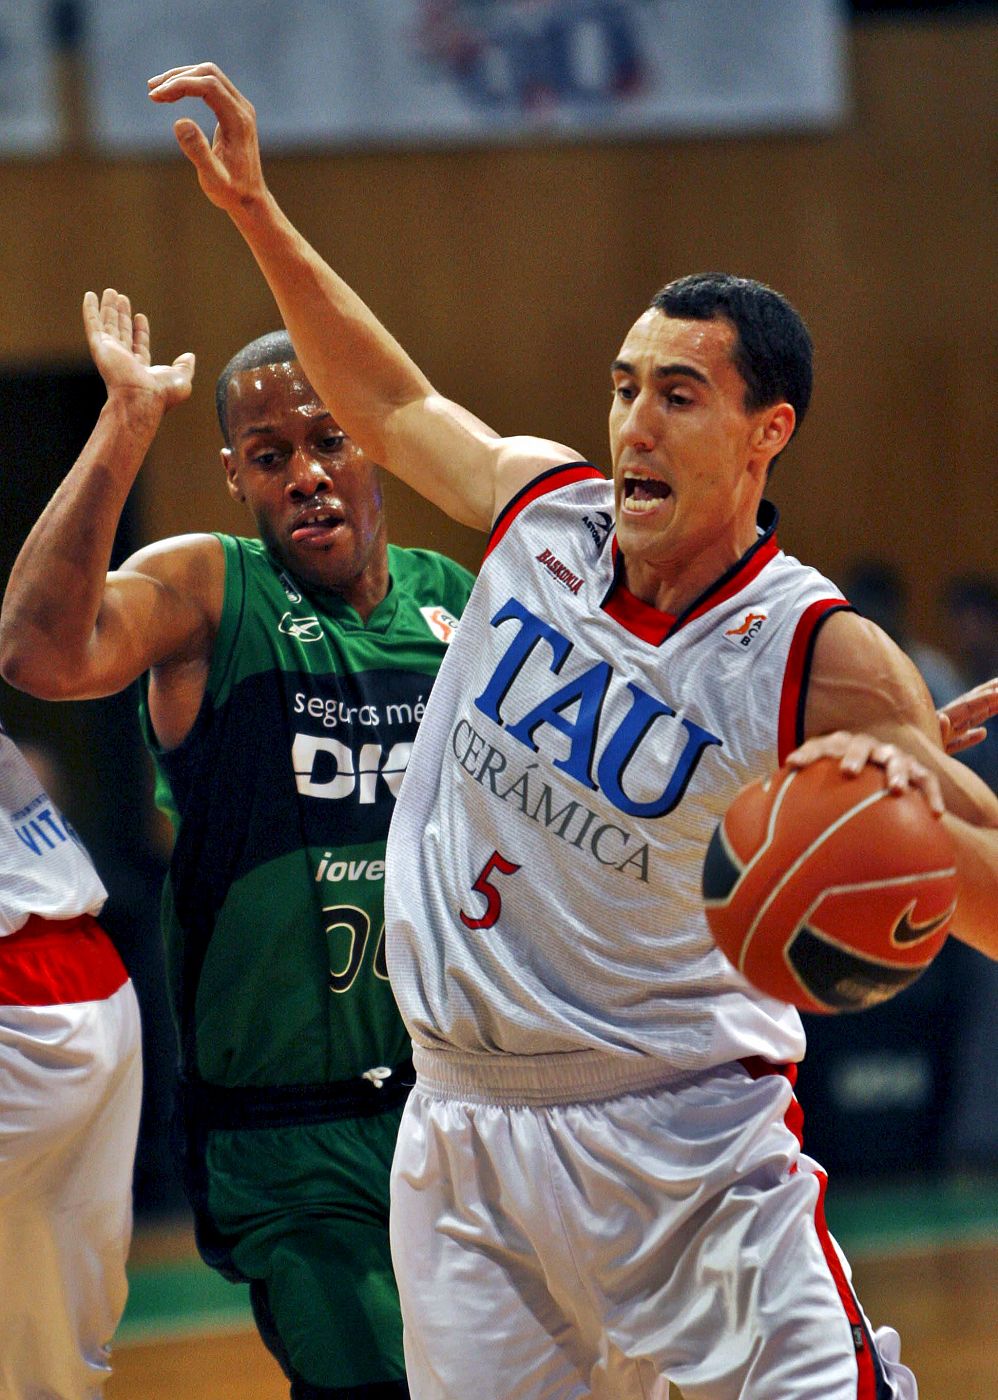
(70,1090)
(601,1248)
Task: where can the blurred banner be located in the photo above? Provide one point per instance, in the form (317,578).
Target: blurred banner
(29,116)
(402,72)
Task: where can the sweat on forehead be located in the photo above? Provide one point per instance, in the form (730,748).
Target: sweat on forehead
(274,348)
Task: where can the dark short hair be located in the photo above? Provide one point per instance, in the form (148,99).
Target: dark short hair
(772,352)
(274,348)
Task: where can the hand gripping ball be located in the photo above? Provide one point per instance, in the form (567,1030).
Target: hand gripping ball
(829,891)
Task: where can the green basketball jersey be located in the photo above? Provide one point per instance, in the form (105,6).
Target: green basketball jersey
(280,798)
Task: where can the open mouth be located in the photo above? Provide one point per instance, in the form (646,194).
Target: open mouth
(316,527)
(644,493)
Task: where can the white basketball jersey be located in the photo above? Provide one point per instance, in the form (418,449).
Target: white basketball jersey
(43,867)
(579,747)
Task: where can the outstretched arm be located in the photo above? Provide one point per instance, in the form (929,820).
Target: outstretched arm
(867,703)
(369,383)
(69,630)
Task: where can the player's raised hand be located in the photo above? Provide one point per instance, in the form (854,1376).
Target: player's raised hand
(962,721)
(119,346)
(229,169)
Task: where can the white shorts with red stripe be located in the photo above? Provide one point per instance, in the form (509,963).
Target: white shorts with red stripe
(553,1250)
(70,1088)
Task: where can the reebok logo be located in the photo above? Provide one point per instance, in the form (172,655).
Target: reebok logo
(303,629)
(744,634)
(560,571)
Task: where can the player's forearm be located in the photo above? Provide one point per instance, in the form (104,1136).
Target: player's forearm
(976,920)
(357,368)
(53,598)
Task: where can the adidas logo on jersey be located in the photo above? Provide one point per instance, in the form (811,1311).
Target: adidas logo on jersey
(747,630)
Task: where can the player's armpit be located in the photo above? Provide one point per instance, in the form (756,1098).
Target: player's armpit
(177,587)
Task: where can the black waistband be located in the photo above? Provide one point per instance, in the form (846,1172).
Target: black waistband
(215,1108)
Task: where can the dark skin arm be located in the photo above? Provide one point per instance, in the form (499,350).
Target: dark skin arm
(370,385)
(69,629)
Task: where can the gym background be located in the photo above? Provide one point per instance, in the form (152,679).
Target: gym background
(510,272)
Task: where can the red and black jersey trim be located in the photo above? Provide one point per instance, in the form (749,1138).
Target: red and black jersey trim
(793,697)
(871,1380)
(552,480)
(649,625)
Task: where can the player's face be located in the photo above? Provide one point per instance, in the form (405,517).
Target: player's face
(316,499)
(689,461)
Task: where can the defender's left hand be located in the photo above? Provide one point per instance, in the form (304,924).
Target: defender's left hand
(962,721)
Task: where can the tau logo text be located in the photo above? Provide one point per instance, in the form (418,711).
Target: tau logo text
(598,756)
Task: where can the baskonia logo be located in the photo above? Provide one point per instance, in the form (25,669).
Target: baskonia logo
(560,571)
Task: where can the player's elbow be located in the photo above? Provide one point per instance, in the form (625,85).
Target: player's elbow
(25,667)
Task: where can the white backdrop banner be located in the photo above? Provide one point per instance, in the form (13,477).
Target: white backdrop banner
(29,115)
(403,72)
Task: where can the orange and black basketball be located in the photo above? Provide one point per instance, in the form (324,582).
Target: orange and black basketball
(829,891)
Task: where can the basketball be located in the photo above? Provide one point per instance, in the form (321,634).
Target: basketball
(828,891)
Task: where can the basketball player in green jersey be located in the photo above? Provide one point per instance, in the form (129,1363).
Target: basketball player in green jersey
(283,680)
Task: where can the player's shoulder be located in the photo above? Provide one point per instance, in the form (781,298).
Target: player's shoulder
(190,559)
(794,573)
(850,645)
(862,680)
(523,460)
(556,494)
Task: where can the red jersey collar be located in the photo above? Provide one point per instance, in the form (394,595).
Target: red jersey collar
(654,627)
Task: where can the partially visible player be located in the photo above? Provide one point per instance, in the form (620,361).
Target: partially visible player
(599,1173)
(70,1092)
(284,679)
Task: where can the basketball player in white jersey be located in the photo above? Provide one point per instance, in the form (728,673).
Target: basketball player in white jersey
(70,1089)
(599,1184)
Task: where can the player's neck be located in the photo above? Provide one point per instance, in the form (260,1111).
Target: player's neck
(671,583)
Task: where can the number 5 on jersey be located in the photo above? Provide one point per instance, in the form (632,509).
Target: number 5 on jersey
(493,899)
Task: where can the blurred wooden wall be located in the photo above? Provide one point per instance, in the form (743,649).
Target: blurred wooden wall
(513,274)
